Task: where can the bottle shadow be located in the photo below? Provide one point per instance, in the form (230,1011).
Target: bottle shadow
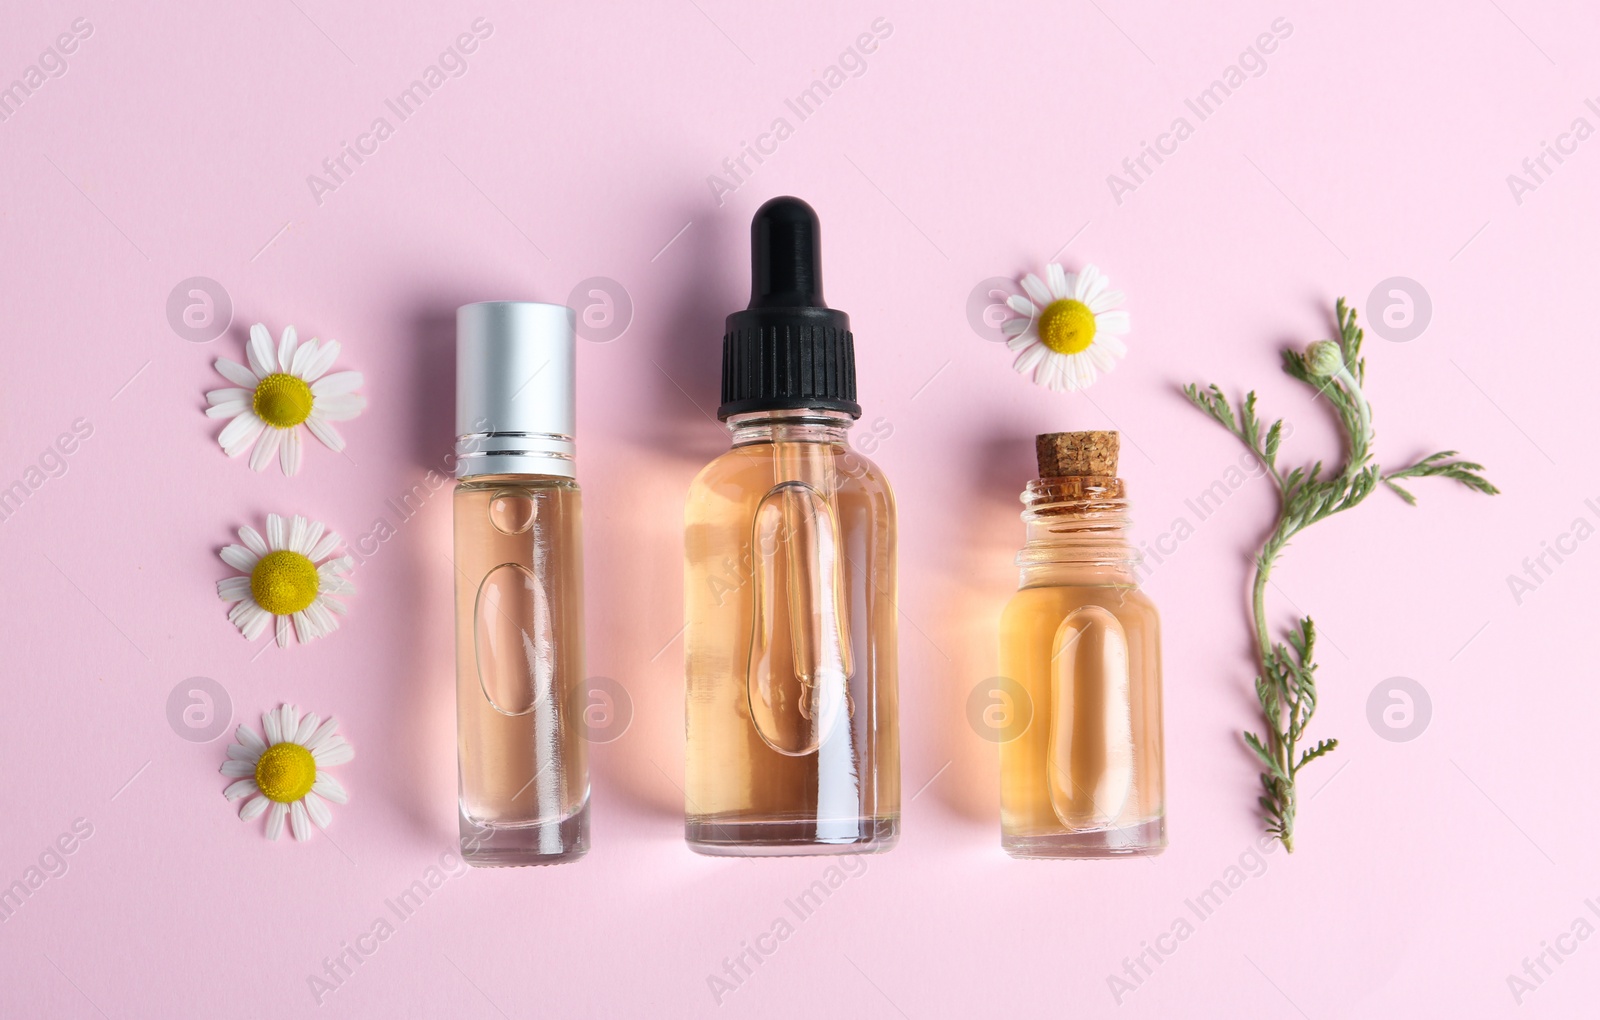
(634,547)
(982,579)
(408,548)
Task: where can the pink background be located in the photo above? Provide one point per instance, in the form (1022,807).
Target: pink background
(1376,143)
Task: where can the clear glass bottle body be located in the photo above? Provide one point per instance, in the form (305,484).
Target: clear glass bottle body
(790,644)
(520,682)
(1085,778)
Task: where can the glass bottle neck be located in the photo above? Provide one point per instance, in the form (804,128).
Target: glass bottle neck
(1077,534)
(802,425)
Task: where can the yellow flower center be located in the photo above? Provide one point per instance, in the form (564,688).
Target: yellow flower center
(286,772)
(282,401)
(284,582)
(1067,326)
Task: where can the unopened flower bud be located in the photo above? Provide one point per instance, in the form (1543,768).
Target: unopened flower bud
(1324,358)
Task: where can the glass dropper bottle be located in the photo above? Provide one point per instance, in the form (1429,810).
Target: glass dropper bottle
(793,740)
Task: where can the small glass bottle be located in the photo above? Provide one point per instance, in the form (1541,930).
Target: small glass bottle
(1082,642)
(520,683)
(791,713)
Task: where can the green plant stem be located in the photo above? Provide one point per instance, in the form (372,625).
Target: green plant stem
(1286,686)
(1281,745)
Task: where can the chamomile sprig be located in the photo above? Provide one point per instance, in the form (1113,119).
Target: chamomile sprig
(1287,686)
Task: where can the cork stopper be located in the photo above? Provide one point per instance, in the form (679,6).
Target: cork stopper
(1077,454)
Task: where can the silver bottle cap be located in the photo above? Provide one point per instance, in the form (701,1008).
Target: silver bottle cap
(515,385)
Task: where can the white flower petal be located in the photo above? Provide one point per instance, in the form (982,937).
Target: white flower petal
(322,611)
(299,822)
(303,357)
(282,626)
(1069,283)
(243,788)
(322,734)
(336,384)
(266,448)
(253,808)
(326,610)
(325,431)
(228,402)
(317,808)
(269,725)
(228,395)
(325,547)
(1057,278)
(334,752)
(1041,373)
(238,434)
(262,359)
(253,540)
(232,589)
(289,720)
(326,356)
(309,625)
(286,348)
(1030,358)
(1036,290)
(237,374)
(331,788)
(297,534)
(255,622)
(1022,306)
(1113,344)
(1015,327)
(308,725)
(342,407)
(276,532)
(1112,322)
(1083,369)
(1068,372)
(244,752)
(250,618)
(1091,282)
(1054,371)
(228,409)
(336,585)
(1106,300)
(239,558)
(233,768)
(314,533)
(247,737)
(275,819)
(289,452)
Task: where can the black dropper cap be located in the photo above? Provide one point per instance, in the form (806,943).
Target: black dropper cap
(788,350)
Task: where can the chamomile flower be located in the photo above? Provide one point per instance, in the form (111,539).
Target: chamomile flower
(284,775)
(282,390)
(1072,327)
(288,580)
